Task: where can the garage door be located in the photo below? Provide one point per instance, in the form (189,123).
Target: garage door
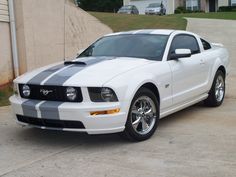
(142,4)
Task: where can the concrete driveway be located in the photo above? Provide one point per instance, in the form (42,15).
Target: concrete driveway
(198,141)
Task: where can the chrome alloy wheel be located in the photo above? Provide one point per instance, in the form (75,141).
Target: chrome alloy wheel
(219,88)
(144,114)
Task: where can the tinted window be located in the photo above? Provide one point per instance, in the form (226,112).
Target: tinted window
(185,42)
(206,45)
(154,5)
(146,46)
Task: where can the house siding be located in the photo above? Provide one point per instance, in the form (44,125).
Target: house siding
(223,3)
(5,44)
(4,13)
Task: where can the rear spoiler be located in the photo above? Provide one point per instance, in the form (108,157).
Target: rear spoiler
(217,44)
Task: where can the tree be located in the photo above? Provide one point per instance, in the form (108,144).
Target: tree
(100,5)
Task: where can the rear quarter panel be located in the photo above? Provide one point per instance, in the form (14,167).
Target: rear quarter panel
(216,57)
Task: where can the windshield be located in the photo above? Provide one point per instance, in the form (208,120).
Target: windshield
(126,8)
(154,5)
(146,46)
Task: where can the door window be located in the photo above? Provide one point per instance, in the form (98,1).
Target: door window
(184,41)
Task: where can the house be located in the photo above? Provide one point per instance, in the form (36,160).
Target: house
(171,5)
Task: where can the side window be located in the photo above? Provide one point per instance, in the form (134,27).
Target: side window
(184,41)
(206,45)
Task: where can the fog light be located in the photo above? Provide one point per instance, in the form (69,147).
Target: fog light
(113,111)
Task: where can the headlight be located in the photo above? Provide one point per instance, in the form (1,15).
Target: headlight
(98,94)
(71,93)
(26,90)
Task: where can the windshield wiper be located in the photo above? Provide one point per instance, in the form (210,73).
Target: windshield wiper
(74,62)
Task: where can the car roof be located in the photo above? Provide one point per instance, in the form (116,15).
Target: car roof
(145,31)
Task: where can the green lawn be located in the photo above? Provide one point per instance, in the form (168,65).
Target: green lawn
(212,15)
(5,93)
(121,22)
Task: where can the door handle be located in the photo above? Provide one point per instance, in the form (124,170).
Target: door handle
(202,62)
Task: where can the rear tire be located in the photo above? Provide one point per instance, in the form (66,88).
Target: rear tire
(143,117)
(217,92)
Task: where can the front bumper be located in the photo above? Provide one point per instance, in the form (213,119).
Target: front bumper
(69,112)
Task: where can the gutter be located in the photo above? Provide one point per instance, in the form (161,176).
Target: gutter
(13,38)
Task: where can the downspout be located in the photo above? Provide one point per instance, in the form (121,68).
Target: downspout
(13,38)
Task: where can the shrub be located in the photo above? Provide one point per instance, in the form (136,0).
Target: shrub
(181,10)
(227,9)
(101,5)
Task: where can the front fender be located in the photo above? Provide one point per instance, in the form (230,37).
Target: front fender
(126,85)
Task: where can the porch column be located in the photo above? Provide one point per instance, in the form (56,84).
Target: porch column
(203,5)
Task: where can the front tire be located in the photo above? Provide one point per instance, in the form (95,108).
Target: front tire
(143,117)
(217,92)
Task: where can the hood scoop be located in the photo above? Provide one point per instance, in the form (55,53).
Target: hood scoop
(74,63)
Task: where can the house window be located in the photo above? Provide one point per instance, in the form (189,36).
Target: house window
(192,5)
(233,2)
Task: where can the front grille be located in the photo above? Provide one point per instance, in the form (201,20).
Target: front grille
(50,123)
(55,93)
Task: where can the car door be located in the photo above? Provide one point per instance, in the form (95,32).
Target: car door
(187,73)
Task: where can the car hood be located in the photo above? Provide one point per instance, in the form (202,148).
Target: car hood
(90,71)
(153,8)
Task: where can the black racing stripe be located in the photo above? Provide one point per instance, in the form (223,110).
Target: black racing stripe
(64,75)
(61,77)
(29,108)
(49,110)
(44,74)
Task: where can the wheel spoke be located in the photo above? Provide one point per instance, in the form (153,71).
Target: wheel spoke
(142,104)
(144,125)
(217,93)
(136,123)
(149,113)
(136,112)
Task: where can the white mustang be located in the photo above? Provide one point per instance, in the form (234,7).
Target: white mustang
(124,82)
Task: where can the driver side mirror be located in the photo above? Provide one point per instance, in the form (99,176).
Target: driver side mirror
(180,53)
